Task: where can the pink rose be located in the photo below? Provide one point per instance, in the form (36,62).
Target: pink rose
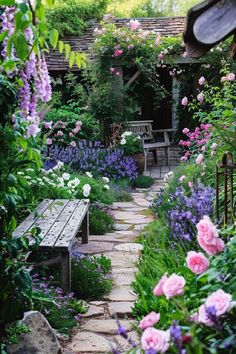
(48,125)
(174,286)
(200,97)
(134,24)
(214,146)
(190,184)
(221,301)
(224,78)
(78,123)
(150,320)
(197,262)
(158,291)
(203,316)
(49,141)
(73,144)
(199,159)
(155,339)
(208,237)
(185,130)
(203,148)
(117,73)
(202,80)
(112,70)
(60,133)
(184,101)
(182,178)
(161,56)
(230,77)
(71,134)
(118,52)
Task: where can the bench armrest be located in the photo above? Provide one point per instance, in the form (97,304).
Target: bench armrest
(163,130)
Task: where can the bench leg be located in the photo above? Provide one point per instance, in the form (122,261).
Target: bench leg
(66,271)
(168,155)
(85,229)
(145,159)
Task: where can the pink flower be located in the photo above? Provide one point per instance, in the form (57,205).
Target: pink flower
(197,262)
(118,52)
(130,46)
(208,237)
(199,159)
(48,125)
(221,301)
(155,339)
(200,97)
(49,141)
(117,73)
(98,32)
(73,144)
(183,158)
(184,55)
(202,80)
(134,24)
(184,101)
(158,290)
(173,286)
(185,130)
(214,146)
(190,184)
(60,133)
(203,148)
(224,78)
(33,130)
(182,178)
(150,320)
(203,316)
(230,77)
(71,134)
(161,56)
(112,70)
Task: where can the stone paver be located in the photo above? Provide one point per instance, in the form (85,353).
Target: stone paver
(97,332)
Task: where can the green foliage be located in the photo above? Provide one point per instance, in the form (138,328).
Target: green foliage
(143,181)
(71,18)
(100,222)
(91,277)
(131,144)
(14,331)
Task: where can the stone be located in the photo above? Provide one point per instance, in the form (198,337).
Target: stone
(138,220)
(95,247)
(94,311)
(41,339)
(120,260)
(84,342)
(121,205)
(120,309)
(121,293)
(121,227)
(140,227)
(135,209)
(143,202)
(129,247)
(124,344)
(98,303)
(121,279)
(105,326)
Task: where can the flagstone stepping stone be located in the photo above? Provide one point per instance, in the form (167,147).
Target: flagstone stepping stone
(123,215)
(121,293)
(129,247)
(120,309)
(96,247)
(143,202)
(120,205)
(115,239)
(106,326)
(121,227)
(98,303)
(135,209)
(84,342)
(94,311)
(121,260)
(137,220)
(121,279)
(124,344)
(140,227)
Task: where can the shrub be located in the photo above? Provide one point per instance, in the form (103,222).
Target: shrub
(143,181)
(100,221)
(90,276)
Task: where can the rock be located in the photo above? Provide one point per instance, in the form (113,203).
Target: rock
(142,202)
(94,311)
(123,343)
(121,279)
(121,260)
(90,342)
(129,247)
(40,340)
(105,326)
(121,293)
(121,205)
(120,309)
(98,303)
(95,247)
(121,227)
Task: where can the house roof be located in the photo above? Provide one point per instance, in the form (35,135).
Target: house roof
(166,26)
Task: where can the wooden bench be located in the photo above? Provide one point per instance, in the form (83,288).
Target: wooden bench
(60,221)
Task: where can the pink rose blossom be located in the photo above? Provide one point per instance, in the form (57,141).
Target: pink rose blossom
(190,184)
(71,134)
(184,101)
(73,144)
(183,158)
(158,290)
(224,78)
(117,73)
(182,178)
(161,56)
(60,133)
(155,339)
(202,80)
(49,141)
(230,77)
(150,320)
(203,148)
(214,146)
(112,70)
(134,24)
(185,130)
(208,237)
(203,316)
(118,52)
(173,286)
(221,301)
(197,262)
(200,97)
(199,159)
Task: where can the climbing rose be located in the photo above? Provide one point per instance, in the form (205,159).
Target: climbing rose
(184,101)
(197,262)
(208,237)
(221,301)
(185,130)
(134,24)
(200,97)
(230,77)
(155,339)
(174,286)
(49,141)
(150,320)
(199,159)
(202,80)
(158,290)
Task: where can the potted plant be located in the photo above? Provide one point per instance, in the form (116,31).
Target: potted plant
(132,145)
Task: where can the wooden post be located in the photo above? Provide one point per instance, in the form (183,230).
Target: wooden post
(65,271)
(85,228)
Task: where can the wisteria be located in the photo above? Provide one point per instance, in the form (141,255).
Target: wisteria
(97,159)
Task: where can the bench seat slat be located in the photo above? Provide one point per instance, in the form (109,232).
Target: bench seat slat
(58,226)
(71,229)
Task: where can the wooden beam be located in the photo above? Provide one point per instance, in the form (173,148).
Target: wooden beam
(132,79)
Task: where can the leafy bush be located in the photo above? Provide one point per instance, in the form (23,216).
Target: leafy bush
(90,276)
(143,181)
(130,143)
(100,221)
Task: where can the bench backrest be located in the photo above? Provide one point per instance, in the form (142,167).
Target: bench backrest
(142,128)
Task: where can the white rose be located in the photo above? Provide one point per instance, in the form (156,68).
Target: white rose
(66,176)
(123,141)
(86,190)
(76,182)
(89,174)
(106,186)
(106,179)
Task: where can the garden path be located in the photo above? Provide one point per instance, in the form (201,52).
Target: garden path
(97,331)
